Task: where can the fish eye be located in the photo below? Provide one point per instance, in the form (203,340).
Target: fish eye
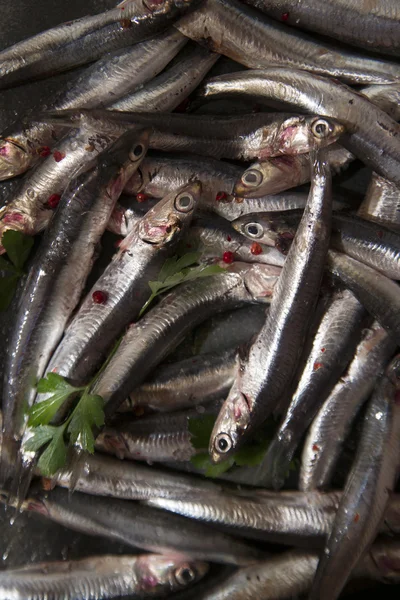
(185,575)
(252,177)
(136,152)
(321,128)
(253,230)
(223,443)
(184,202)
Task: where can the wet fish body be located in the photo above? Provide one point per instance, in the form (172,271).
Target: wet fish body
(381,203)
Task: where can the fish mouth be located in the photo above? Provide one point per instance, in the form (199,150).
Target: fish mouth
(13,159)
(162,232)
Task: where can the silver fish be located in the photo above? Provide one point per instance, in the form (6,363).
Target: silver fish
(101,475)
(186,383)
(387,97)
(254,40)
(166,91)
(123,286)
(148,341)
(379,294)
(104,82)
(64,259)
(333,345)
(332,424)
(366,494)
(375,27)
(143,576)
(140,526)
(274,355)
(381,203)
(372,135)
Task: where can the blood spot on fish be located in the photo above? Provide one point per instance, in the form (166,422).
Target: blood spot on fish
(221,196)
(13,217)
(316,448)
(47,484)
(53,201)
(237,413)
(228,257)
(141,197)
(44,151)
(149,581)
(117,243)
(99,297)
(125,23)
(228,238)
(58,156)
(323,349)
(317,366)
(285,16)
(356,518)
(256,249)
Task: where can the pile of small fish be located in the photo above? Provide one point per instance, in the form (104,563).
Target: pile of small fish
(256,402)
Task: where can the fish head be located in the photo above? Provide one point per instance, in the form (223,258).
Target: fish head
(257,227)
(298,135)
(14,159)
(122,159)
(232,421)
(270,176)
(165,222)
(156,573)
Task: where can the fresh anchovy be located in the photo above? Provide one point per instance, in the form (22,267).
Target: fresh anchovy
(290,575)
(186,383)
(387,97)
(366,494)
(333,346)
(86,39)
(123,286)
(381,203)
(147,342)
(333,421)
(140,526)
(105,476)
(274,355)
(214,237)
(372,26)
(159,438)
(166,91)
(372,244)
(65,258)
(379,294)
(254,40)
(278,174)
(97,577)
(104,82)
(372,135)
(291,518)
(238,137)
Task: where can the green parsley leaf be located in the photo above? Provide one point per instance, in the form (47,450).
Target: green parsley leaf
(252,455)
(18,246)
(8,286)
(177,270)
(6,265)
(200,429)
(87,414)
(43,412)
(55,383)
(41,435)
(55,455)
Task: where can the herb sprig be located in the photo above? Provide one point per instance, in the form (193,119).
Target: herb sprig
(18,247)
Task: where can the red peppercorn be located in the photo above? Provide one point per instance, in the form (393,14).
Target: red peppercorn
(44,151)
(317,365)
(141,197)
(58,156)
(228,257)
(53,201)
(285,16)
(256,249)
(228,237)
(315,448)
(221,196)
(99,297)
